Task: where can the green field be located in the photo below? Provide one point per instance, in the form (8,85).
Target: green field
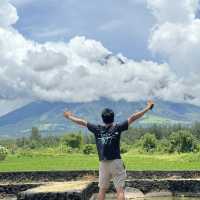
(77,161)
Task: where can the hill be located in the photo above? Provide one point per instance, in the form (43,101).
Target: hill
(48,117)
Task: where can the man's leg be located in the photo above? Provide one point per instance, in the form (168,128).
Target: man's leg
(119,177)
(102,193)
(120,193)
(104,179)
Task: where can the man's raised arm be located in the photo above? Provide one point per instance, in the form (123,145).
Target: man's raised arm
(79,121)
(137,115)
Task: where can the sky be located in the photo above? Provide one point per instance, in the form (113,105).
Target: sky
(80,51)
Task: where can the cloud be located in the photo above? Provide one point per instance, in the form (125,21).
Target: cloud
(8,14)
(177,34)
(44,59)
(84,70)
(173,11)
(176,37)
(179,44)
(92,71)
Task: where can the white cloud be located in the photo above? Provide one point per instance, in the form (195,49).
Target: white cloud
(8,14)
(176,37)
(177,34)
(179,44)
(173,11)
(84,70)
(44,59)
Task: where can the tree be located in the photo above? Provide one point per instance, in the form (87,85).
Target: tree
(50,141)
(163,145)
(89,149)
(89,138)
(182,141)
(195,129)
(156,130)
(124,148)
(3,152)
(132,134)
(73,140)
(149,142)
(35,134)
(21,142)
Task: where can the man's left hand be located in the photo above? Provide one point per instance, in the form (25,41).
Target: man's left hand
(67,114)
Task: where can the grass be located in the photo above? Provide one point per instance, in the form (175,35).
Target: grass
(152,119)
(75,161)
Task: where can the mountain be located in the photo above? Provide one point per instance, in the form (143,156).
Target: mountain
(48,117)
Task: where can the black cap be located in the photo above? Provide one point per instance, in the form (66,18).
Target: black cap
(107,116)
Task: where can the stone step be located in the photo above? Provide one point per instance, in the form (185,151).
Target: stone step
(83,189)
(7,197)
(112,196)
(57,190)
(109,196)
(133,193)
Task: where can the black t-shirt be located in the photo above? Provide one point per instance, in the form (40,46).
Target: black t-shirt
(108,139)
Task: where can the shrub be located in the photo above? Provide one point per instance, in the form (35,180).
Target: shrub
(183,141)
(72,140)
(163,145)
(124,148)
(34,144)
(3,152)
(149,142)
(89,149)
(69,150)
(35,134)
(25,152)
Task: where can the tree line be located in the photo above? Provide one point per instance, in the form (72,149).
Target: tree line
(156,138)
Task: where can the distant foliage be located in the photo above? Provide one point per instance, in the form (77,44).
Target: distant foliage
(149,142)
(25,153)
(161,138)
(89,149)
(34,144)
(195,129)
(73,140)
(3,152)
(50,141)
(89,138)
(160,132)
(163,145)
(182,141)
(35,134)
(124,148)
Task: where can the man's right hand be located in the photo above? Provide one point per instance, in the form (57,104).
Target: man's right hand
(67,114)
(150,104)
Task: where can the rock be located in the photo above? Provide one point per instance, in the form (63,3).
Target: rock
(130,193)
(164,193)
(109,196)
(56,190)
(133,193)
(8,197)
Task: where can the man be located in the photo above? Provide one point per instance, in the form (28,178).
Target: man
(107,138)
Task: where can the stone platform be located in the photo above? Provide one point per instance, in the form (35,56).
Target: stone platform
(58,190)
(60,186)
(86,189)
